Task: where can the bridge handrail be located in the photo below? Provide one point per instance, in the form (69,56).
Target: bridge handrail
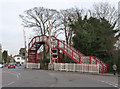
(68,48)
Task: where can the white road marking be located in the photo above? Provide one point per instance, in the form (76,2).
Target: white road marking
(18,74)
(10,83)
(107,82)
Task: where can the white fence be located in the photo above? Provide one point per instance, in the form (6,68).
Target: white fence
(33,65)
(90,68)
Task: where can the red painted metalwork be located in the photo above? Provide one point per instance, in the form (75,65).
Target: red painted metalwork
(90,60)
(57,56)
(96,62)
(72,53)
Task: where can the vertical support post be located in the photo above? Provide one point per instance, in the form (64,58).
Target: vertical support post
(42,37)
(63,53)
(50,41)
(35,39)
(90,60)
(53,60)
(85,59)
(99,70)
(28,55)
(57,50)
(64,45)
(57,55)
(96,62)
(39,38)
(74,67)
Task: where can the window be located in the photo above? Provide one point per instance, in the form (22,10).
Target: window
(23,54)
(18,58)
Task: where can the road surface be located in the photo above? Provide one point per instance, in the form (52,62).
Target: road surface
(21,77)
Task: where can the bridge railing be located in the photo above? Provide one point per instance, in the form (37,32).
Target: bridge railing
(69,51)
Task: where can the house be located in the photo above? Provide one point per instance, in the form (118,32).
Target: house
(19,60)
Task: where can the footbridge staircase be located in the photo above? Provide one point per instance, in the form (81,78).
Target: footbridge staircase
(70,51)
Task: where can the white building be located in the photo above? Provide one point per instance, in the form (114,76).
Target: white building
(19,60)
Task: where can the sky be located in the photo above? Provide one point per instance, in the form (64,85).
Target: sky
(11,30)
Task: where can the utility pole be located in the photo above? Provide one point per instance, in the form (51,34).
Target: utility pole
(25,46)
(50,40)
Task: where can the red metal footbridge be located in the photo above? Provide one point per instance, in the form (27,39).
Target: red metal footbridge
(67,49)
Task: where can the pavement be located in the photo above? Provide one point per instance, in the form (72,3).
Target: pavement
(21,77)
(108,74)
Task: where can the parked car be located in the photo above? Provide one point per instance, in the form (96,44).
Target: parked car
(11,65)
(1,66)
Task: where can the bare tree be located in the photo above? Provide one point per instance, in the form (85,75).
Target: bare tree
(69,16)
(108,12)
(105,10)
(37,18)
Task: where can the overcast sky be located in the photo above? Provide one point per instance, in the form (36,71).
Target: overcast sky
(11,30)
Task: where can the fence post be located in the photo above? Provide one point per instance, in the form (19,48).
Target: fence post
(26,65)
(74,67)
(67,67)
(85,66)
(39,65)
(60,66)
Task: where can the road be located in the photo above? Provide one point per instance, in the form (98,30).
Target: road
(21,77)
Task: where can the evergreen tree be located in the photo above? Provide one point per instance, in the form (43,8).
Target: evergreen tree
(95,37)
(5,56)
